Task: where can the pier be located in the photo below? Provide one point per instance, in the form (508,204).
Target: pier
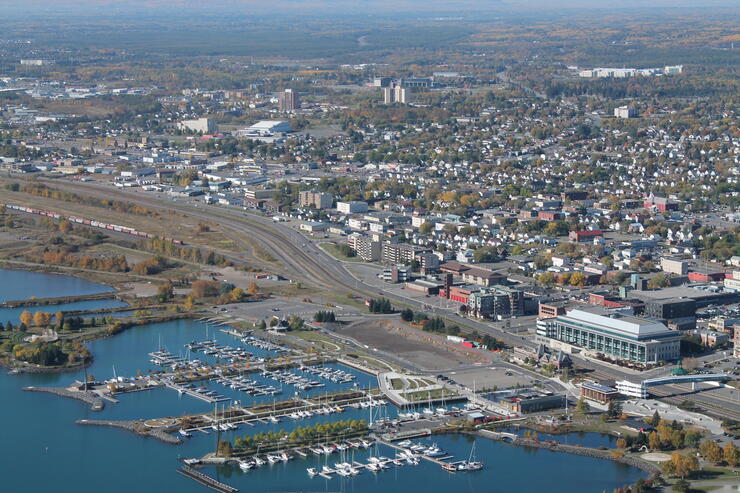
(194,393)
(206,480)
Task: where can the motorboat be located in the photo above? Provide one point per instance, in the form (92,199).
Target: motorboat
(245,466)
(312,472)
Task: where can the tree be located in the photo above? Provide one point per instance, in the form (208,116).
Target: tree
(730,455)
(26,318)
(261,325)
(407,314)
(655,421)
(485,254)
(659,280)
(621,443)
(582,406)
(426,228)
(614,410)
(165,292)
(204,289)
(681,486)
(710,451)
(253,289)
(189,304)
(654,441)
(41,319)
(578,279)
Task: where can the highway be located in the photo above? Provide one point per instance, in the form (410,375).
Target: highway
(300,259)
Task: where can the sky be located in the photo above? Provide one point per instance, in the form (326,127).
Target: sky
(360,5)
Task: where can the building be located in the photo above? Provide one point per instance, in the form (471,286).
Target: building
(614,335)
(495,302)
(202,125)
(678,313)
(461,294)
(289,100)
(736,342)
(482,277)
(580,236)
(625,112)
(382,82)
(353,207)
(394,93)
(314,227)
(526,403)
(396,274)
(713,339)
(36,62)
(259,194)
(661,204)
(551,310)
(365,247)
(266,127)
(399,94)
(733,283)
(674,266)
(400,253)
(599,393)
(428,263)
(316,200)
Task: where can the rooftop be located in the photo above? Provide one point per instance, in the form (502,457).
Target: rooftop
(629,325)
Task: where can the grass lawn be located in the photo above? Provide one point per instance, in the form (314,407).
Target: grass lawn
(333,250)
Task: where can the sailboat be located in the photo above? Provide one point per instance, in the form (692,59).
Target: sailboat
(471,464)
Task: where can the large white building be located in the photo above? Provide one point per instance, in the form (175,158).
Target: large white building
(352,207)
(204,125)
(615,335)
(267,127)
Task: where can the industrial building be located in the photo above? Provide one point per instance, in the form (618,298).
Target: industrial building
(615,335)
(203,125)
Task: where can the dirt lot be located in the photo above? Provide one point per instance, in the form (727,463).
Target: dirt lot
(420,349)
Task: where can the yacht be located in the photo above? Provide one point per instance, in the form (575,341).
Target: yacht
(245,466)
(184,433)
(312,472)
(259,462)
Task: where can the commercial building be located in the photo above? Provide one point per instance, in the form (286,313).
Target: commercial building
(353,207)
(365,247)
(678,313)
(482,277)
(317,200)
(524,404)
(661,204)
(461,294)
(625,112)
(614,335)
(266,127)
(597,392)
(496,301)
(203,125)
(733,283)
(396,274)
(289,100)
(674,266)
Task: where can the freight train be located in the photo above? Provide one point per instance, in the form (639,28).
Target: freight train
(87,222)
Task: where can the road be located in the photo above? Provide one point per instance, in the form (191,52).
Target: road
(303,260)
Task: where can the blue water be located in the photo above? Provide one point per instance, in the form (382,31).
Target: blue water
(21,285)
(44,450)
(585,439)
(13,314)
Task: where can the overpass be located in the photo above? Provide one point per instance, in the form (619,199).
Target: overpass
(640,389)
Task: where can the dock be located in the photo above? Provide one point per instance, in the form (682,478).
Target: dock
(206,480)
(192,393)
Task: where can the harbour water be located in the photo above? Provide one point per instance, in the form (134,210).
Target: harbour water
(22,285)
(44,450)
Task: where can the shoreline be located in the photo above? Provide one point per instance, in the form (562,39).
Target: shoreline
(131,426)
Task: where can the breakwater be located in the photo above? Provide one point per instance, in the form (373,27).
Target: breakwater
(95,402)
(135,427)
(58,300)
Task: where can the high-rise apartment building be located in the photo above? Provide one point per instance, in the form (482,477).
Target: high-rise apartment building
(289,100)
